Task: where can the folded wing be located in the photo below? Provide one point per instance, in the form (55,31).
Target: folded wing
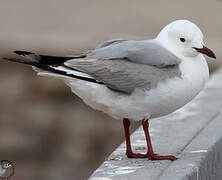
(149,52)
(122,75)
(121,65)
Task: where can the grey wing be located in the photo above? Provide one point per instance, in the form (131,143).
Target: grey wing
(125,65)
(149,52)
(108,43)
(122,75)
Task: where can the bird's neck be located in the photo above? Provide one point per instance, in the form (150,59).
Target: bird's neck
(196,69)
(2,171)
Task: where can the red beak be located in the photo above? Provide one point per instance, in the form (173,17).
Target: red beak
(206,51)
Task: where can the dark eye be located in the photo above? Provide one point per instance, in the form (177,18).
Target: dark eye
(182,40)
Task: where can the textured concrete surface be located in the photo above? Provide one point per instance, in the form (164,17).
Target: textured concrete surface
(193,133)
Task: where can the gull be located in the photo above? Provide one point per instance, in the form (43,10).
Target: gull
(5,164)
(134,80)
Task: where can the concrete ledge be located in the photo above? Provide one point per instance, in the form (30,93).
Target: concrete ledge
(194,133)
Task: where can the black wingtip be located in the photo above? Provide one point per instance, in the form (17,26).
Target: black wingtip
(23,53)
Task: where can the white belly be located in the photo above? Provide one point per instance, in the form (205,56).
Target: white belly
(167,97)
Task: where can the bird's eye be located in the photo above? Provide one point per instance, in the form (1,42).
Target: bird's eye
(182,40)
(7,165)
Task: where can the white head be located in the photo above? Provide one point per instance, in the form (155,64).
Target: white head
(184,38)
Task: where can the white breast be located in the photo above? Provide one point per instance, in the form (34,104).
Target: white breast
(167,97)
(2,171)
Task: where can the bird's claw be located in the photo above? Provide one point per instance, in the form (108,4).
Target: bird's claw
(151,156)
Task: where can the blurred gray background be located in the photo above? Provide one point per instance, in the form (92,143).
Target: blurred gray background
(46,130)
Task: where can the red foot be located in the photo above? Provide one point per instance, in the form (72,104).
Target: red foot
(158,157)
(134,155)
(151,157)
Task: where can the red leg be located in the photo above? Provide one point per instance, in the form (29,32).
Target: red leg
(129,152)
(150,154)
